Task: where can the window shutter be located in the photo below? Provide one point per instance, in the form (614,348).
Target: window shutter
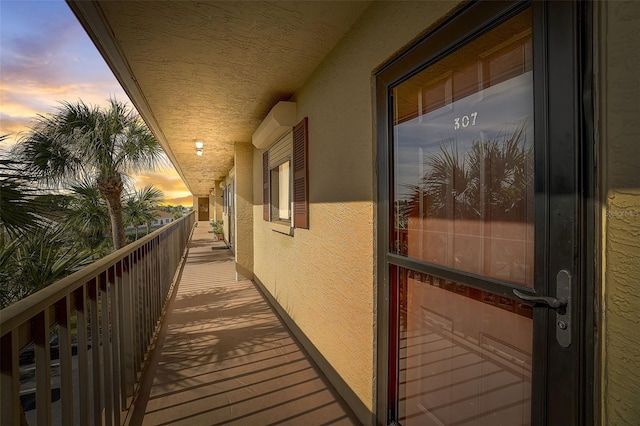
(301,175)
(265,185)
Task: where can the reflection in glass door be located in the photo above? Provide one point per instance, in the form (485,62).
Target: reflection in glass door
(463,150)
(463,198)
(464,354)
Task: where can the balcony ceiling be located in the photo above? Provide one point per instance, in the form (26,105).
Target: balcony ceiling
(211,70)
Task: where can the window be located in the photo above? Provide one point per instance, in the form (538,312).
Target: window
(280,192)
(285,180)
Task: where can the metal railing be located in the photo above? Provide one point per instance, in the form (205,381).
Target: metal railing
(109,313)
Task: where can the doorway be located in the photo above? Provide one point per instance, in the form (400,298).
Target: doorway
(482,278)
(203,208)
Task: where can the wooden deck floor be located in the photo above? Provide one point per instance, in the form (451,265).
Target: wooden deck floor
(224,357)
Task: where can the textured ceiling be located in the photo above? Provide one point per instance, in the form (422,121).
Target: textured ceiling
(211,71)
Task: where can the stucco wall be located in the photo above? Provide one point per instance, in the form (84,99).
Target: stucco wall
(243,201)
(324,276)
(619,62)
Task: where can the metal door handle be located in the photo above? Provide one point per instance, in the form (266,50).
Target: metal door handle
(552,302)
(562,305)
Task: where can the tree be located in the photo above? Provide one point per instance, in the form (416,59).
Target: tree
(86,143)
(87,215)
(27,265)
(18,202)
(140,207)
(492,179)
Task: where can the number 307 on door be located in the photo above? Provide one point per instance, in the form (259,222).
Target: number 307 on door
(465,121)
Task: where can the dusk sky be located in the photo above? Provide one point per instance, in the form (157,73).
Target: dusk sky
(45,58)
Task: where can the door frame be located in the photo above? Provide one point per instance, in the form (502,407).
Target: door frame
(200,212)
(231,211)
(563,91)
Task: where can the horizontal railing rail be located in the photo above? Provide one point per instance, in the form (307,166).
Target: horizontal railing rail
(109,312)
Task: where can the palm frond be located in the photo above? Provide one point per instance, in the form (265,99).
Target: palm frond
(492,178)
(80,141)
(34,265)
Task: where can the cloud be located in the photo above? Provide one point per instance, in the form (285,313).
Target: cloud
(186,201)
(168,181)
(42,41)
(13,125)
(46,58)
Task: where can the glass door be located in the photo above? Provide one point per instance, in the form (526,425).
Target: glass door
(479,290)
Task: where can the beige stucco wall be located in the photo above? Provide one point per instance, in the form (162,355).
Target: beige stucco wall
(324,276)
(195,206)
(215,202)
(243,202)
(226,219)
(618,39)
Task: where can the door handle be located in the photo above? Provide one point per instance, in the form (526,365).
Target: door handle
(552,302)
(562,305)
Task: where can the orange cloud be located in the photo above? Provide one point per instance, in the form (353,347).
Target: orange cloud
(47,58)
(166,180)
(186,201)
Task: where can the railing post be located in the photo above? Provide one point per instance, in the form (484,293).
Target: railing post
(118,303)
(145,292)
(10,386)
(138,312)
(83,358)
(124,316)
(154,285)
(107,373)
(95,351)
(63,309)
(115,341)
(43,367)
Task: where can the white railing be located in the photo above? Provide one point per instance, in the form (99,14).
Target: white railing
(109,312)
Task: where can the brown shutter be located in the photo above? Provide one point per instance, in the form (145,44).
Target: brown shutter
(301,175)
(265,185)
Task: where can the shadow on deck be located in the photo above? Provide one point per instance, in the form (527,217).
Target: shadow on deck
(224,357)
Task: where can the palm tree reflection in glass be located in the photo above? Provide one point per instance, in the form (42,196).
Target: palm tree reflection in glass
(490,182)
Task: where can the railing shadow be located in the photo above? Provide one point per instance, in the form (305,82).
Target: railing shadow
(223,356)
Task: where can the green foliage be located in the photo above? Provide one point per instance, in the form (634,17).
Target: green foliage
(176,211)
(87,151)
(217,227)
(81,143)
(493,177)
(87,218)
(27,264)
(18,197)
(141,207)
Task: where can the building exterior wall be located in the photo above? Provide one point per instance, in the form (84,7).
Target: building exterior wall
(618,46)
(217,201)
(195,206)
(323,277)
(212,204)
(226,218)
(243,202)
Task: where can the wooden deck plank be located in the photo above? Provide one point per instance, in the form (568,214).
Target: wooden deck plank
(224,357)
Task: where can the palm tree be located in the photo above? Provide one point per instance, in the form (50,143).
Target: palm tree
(140,207)
(87,215)
(27,265)
(81,142)
(18,201)
(493,178)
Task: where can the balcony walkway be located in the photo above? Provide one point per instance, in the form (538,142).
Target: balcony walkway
(223,356)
